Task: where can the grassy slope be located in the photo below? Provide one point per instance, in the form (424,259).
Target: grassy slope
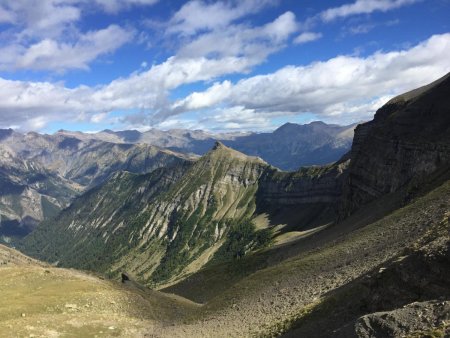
(43,301)
(267,300)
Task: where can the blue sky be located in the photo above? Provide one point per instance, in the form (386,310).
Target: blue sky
(216,65)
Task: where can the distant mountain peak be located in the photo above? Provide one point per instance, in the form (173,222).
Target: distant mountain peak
(317,123)
(218,145)
(219,150)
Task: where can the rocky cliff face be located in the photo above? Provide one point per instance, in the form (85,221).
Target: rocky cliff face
(406,143)
(308,185)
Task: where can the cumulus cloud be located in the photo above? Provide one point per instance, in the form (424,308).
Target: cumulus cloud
(254,43)
(114,6)
(58,56)
(307,37)
(43,34)
(200,16)
(363,7)
(199,100)
(345,86)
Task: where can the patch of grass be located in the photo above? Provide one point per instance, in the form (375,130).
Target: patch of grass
(57,302)
(241,239)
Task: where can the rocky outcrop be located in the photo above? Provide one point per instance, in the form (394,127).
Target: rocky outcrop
(417,319)
(308,185)
(406,143)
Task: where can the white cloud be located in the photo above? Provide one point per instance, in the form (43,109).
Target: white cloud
(363,7)
(198,100)
(114,6)
(307,37)
(344,88)
(254,43)
(41,18)
(44,34)
(97,118)
(200,16)
(6,16)
(50,54)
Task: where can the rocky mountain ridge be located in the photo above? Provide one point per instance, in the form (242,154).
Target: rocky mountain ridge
(288,147)
(158,225)
(407,143)
(41,174)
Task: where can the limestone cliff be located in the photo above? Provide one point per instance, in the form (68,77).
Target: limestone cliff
(406,144)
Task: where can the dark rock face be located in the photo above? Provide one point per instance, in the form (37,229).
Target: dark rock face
(308,185)
(124,277)
(408,140)
(419,318)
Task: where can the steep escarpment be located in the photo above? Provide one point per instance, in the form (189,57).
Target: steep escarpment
(406,144)
(303,199)
(321,283)
(363,275)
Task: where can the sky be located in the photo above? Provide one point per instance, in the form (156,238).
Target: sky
(232,65)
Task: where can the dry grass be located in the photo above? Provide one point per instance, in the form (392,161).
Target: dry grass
(51,302)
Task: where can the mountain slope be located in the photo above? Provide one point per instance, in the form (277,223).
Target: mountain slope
(171,222)
(313,283)
(29,193)
(42,301)
(41,174)
(361,275)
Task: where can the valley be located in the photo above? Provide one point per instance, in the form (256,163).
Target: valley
(228,245)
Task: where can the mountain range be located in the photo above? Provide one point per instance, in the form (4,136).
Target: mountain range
(289,147)
(41,174)
(227,244)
